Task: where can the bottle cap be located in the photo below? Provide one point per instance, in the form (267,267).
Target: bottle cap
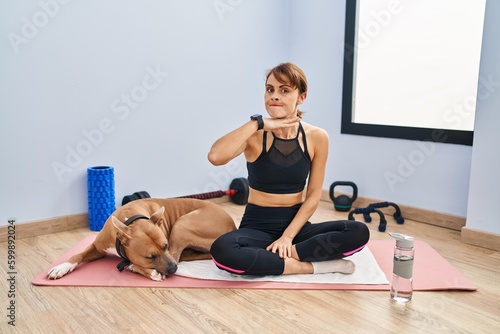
(402,240)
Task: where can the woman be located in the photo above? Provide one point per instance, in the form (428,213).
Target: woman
(275,236)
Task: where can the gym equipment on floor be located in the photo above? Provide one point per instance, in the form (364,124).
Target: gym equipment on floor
(343,202)
(238,193)
(366,211)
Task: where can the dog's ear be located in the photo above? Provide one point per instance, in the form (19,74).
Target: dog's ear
(122,231)
(157,217)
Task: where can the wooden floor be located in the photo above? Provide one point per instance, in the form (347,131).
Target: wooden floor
(131,310)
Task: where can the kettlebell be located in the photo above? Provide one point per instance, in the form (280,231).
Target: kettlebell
(343,202)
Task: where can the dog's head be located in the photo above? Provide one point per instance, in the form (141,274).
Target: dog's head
(146,244)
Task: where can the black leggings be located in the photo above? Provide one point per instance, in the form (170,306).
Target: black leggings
(243,251)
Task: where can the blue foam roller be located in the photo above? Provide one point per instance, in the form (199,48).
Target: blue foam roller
(101,195)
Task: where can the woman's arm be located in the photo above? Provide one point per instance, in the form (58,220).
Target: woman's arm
(232,144)
(243,139)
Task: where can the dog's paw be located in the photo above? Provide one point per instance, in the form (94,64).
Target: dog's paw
(61,270)
(149,273)
(156,276)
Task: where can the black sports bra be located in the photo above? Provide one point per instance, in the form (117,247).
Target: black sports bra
(283,169)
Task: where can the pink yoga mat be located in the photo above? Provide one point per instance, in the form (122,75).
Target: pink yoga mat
(431,272)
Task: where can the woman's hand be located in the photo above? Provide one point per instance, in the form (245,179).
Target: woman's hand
(280,123)
(283,246)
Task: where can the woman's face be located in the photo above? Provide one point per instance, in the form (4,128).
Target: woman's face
(281,99)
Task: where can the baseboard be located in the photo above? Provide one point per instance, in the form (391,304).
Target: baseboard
(46,226)
(480,238)
(416,214)
(58,224)
(64,223)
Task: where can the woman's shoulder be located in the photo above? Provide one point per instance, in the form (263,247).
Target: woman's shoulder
(314,131)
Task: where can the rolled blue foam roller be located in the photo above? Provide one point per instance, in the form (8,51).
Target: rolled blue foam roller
(101,195)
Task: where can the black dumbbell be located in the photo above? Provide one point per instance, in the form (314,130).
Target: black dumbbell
(135,196)
(238,193)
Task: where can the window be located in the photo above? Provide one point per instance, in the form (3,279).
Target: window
(411,68)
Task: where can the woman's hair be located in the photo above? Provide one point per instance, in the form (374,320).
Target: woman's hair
(290,74)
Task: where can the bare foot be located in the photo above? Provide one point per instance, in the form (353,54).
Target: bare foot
(334,266)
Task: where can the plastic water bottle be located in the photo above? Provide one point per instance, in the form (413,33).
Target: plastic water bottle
(402,272)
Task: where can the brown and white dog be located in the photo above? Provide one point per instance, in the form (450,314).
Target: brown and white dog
(178,229)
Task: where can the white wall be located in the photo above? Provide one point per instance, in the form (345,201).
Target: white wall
(484,195)
(67,68)
(64,80)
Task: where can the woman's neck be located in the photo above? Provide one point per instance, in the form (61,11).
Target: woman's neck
(287,133)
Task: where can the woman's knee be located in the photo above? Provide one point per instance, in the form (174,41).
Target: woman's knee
(361,231)
(225,254)
(219,246)
(364,232)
